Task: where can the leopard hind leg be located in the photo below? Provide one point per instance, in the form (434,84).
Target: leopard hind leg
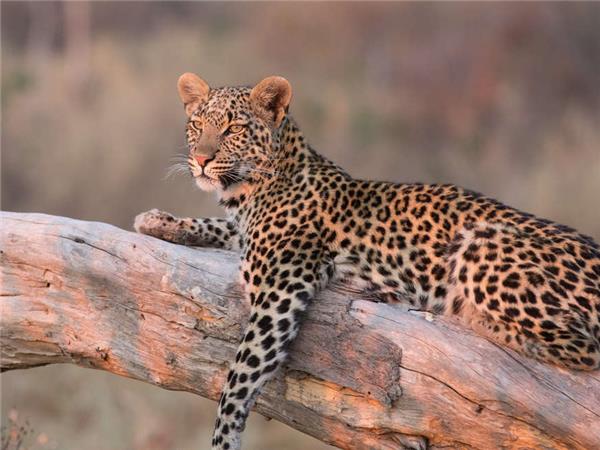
(500,286)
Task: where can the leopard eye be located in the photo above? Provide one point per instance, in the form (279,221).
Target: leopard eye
(196,125)
(234,129)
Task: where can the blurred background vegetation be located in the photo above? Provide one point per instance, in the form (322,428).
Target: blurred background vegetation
(500,98)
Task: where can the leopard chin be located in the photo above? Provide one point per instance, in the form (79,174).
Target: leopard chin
(207,184)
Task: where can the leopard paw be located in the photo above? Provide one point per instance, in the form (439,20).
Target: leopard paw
(154,223)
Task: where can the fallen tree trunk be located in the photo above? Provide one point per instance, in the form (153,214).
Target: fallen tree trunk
(361,375)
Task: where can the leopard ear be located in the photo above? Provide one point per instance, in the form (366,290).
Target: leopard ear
(271,98)
(193,90)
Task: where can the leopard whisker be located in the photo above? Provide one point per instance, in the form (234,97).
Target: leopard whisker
(177,169)
(179,157)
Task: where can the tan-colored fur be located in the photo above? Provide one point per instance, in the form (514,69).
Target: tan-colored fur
(525,282)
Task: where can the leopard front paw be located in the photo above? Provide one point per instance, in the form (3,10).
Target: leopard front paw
(154,223)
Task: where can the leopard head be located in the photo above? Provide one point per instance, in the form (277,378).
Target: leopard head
(232,131)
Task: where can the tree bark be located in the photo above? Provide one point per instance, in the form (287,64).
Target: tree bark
(361,375)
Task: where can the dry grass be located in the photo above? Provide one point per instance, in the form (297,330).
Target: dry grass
(82,409)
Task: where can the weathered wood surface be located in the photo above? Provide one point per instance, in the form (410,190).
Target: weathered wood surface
(361,375)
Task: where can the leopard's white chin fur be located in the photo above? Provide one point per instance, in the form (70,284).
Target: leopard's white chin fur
(207,184)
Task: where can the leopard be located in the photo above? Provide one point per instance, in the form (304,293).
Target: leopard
(299,221)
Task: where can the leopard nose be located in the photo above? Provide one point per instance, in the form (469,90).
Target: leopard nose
(203,160)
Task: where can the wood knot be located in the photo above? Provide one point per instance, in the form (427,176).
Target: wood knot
(103,353)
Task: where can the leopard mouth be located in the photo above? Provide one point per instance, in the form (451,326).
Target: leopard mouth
(209,178)
(222,181)
(199,173)
(206,183)
(204,176)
